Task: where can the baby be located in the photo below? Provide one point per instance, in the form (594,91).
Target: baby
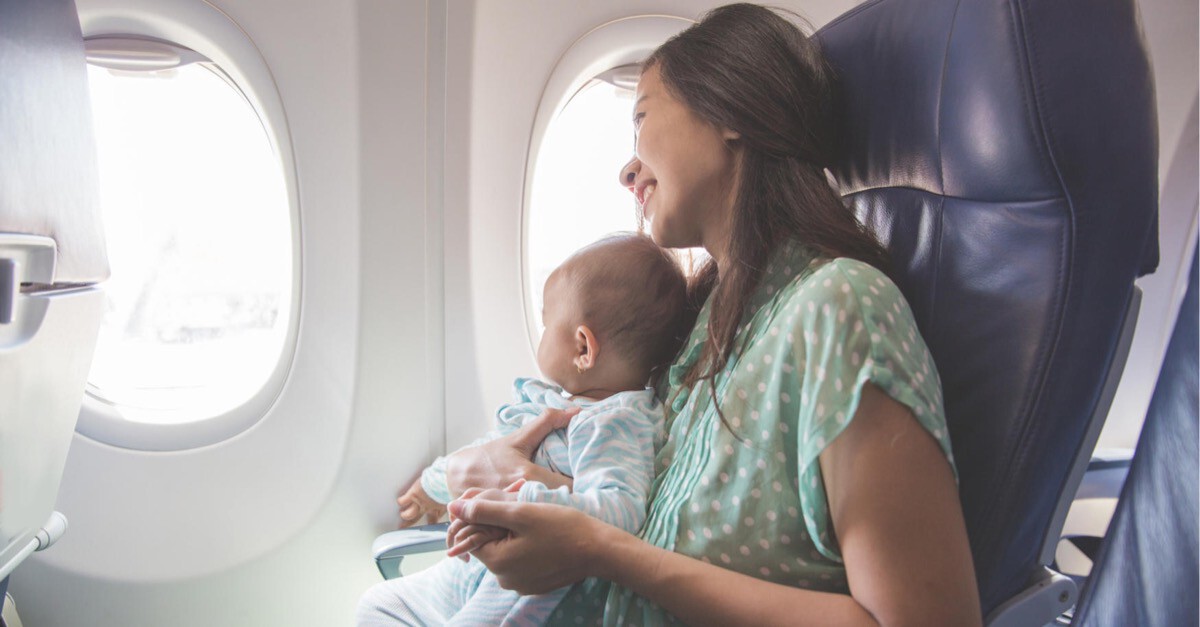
(615,313)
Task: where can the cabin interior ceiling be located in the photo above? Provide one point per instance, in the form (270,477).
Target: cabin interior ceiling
(410,124)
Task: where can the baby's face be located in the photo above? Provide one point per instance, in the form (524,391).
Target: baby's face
(557,350)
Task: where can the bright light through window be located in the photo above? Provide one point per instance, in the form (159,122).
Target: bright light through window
(576,197)
(199,239)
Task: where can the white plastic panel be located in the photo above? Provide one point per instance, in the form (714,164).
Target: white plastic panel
(47,164)
(250,494)
(25,261)
(41,386)
(273,526)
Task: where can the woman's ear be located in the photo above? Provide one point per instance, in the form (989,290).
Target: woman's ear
(587,350)
(730,135)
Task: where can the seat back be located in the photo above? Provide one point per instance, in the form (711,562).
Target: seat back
(1146,571)
(1005,152)
(51,255)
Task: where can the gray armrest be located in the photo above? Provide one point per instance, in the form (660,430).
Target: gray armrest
(391,548)
(1046,597)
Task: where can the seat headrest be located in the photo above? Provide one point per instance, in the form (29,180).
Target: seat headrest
(48,176)
(1006,153)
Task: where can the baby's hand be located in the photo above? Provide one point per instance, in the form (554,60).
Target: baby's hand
(462,538)
(470,537)
(416,504)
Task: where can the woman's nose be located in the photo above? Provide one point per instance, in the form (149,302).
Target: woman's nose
(629,173)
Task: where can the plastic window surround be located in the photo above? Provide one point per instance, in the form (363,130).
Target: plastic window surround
(600,53)
(133,45)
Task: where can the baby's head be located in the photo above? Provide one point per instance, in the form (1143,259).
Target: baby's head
(615,312)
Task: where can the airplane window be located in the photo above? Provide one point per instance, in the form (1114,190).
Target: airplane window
(198,228)
(575,197)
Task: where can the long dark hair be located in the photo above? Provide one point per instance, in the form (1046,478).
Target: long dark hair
(748,69)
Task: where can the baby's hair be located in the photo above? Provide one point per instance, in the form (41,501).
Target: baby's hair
(633,294)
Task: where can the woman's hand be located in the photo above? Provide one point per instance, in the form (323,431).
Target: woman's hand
(547,546)
(463,537)
(500,462)
(416,504)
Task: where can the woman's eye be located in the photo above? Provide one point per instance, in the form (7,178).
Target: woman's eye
(637,121)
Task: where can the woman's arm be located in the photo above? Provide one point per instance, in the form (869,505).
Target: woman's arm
(550,546)
(895,510)
(898,518)
(899,525)
(501,462)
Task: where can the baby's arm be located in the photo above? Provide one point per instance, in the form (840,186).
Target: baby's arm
(433,478)
(416,504)
(612,459)
(508,419)
(428,495)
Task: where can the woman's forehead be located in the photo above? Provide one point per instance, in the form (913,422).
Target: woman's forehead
(648,85)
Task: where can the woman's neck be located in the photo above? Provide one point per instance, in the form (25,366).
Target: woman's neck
(717,238)
(717,247)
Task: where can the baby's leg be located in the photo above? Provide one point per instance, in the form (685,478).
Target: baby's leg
(430,597)
(493,605)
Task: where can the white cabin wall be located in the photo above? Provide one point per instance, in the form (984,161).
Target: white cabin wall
(352,75)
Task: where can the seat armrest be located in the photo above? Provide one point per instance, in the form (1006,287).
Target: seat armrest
(390,549)
(1046,597)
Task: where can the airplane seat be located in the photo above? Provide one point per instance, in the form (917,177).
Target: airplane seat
(1146,571)
(1006,153)
(52,256)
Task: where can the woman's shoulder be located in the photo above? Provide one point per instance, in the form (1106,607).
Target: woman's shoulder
(842,280)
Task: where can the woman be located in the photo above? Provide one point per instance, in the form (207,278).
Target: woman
(807,477)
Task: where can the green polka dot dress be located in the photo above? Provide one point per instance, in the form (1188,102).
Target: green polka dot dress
(750,497)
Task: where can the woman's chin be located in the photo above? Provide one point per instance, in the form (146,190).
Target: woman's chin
(665,238)
(658,236)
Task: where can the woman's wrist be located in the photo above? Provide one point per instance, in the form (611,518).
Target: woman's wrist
(611,552)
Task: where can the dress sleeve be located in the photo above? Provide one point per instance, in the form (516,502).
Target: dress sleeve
(852,326)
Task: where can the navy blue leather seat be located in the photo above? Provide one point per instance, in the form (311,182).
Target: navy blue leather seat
(1005,151)
(1146,572)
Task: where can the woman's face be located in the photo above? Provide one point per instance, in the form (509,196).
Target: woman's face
(683,172)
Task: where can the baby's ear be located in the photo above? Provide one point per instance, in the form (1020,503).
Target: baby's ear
(587,349)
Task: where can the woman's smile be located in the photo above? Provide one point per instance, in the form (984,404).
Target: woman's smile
(644,192)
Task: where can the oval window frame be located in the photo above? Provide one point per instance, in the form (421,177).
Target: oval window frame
(617,43)
(215,37)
